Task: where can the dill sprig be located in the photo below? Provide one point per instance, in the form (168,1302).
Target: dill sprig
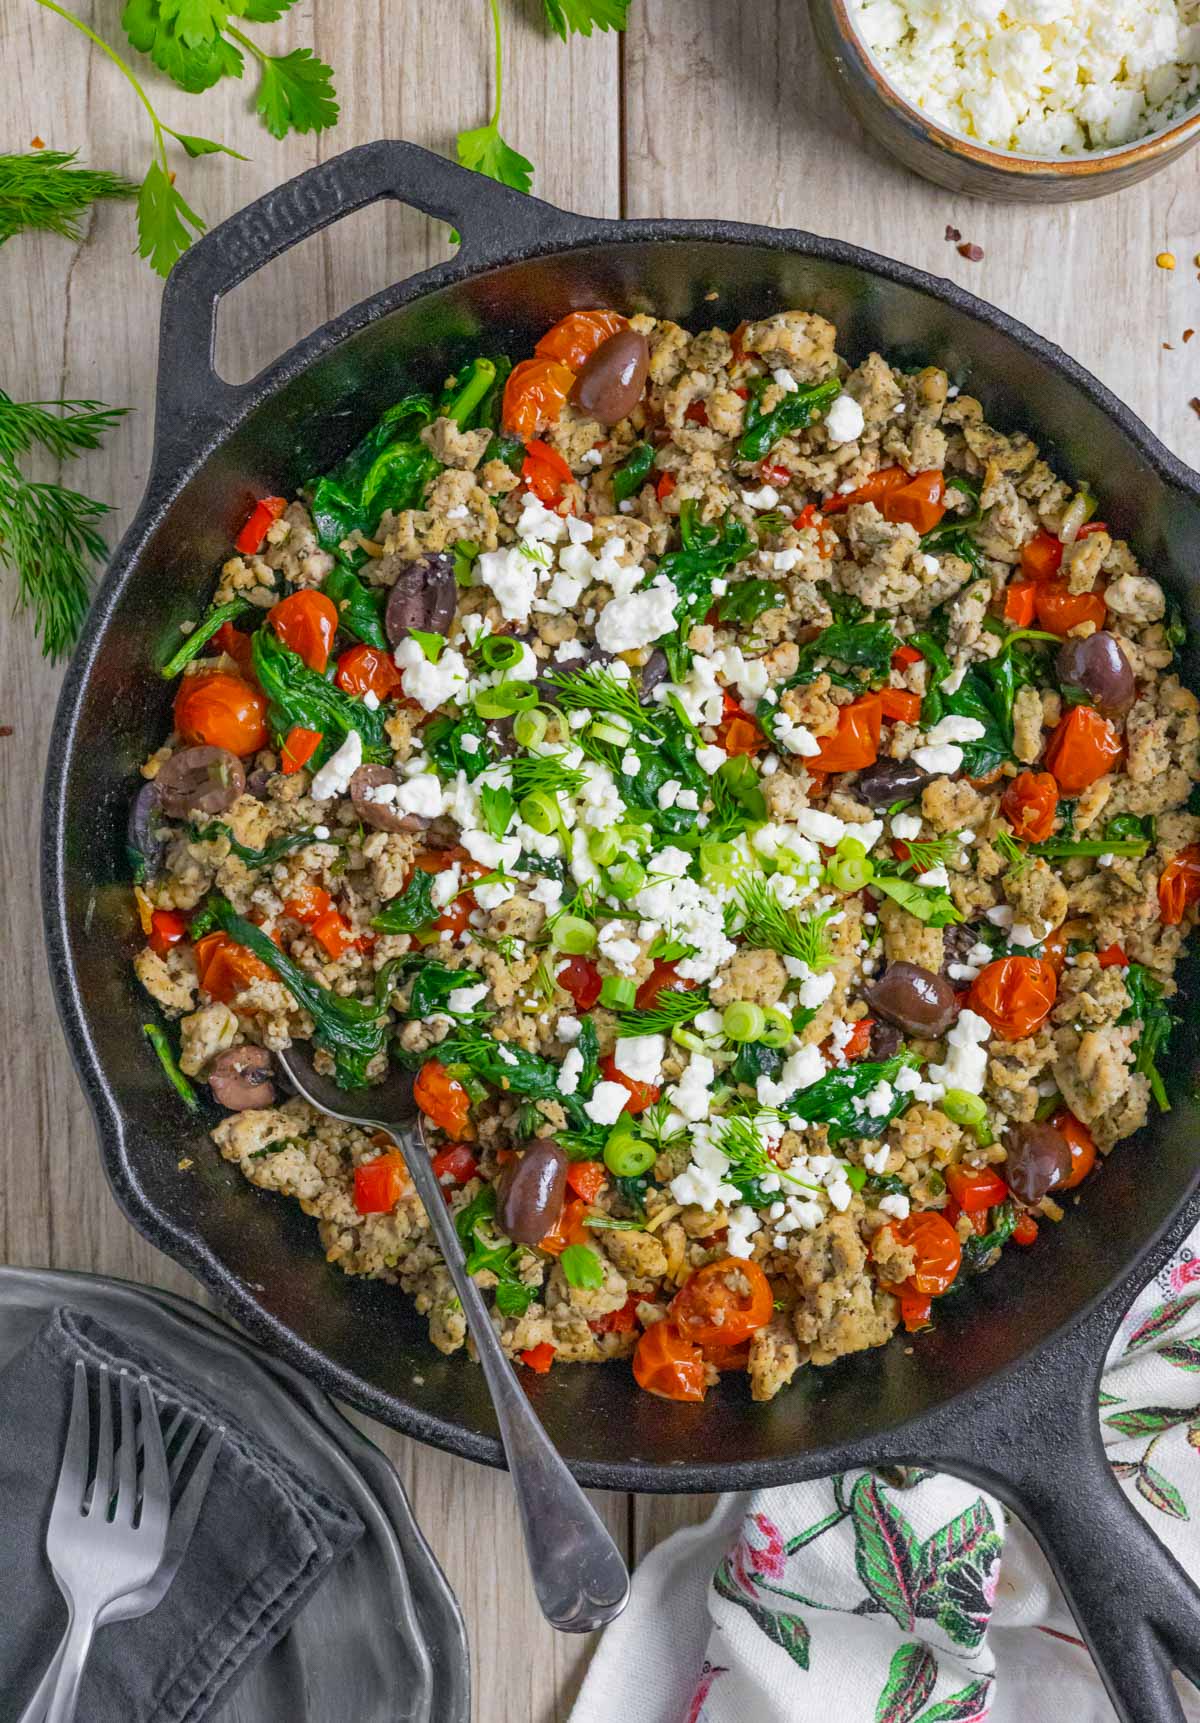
(764,921)
(42,191)
(49,535)
(597,690)
(661,1018)
(926,853)
(546,773)
(749,1163)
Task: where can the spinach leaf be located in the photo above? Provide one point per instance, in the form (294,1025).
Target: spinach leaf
(432,989)
(931,904)
(754,1060)
(858,645)
(976,1250)
(486,1249)
(705,553)
(838,1099)
(443,743)
(512,1069)
(299,695)
(412,910)
(761,431)
(359,607)
(509,449)
(264,857)
(1147,1008)
(745,602)
(633,472)
(389,469)
(589,1048)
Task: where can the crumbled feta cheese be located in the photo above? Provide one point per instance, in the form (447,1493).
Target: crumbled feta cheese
(764,498)
(467,997)
(668,793)
(935,876)
(579,531)
(897,1206)
(784,379)
(539,522)
(876,1160)
(608,1099)
(421,795)
(800,1071)
(570,1071)
(821,827)
(844,421)
(370,700)
(954,728)
(548,892)
(794,736)
(638,618)
(880,1099)
(907,827)
(320,833)
(691,1095)
(743,1225)
(965,1065)
(710,758)
(941,760)
(615,944)
(333,778)
(430,685)
(640,1057)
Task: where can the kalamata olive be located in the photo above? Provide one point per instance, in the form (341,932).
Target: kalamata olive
(1100,668)
(530,1191)
(595,657)
(610,385)
(200,780)
(241,1078)
(886,1040)
(425,596)
(958,941)
(889,781)
(654,670)
(915,999)
(257,782)
(383,814)
(1039,1160)
(145,834)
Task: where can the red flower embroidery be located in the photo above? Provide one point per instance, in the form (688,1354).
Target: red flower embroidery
(707,1676)
(750,1561)
(1184,1273)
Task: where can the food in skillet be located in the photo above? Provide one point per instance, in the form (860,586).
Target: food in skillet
(751,796)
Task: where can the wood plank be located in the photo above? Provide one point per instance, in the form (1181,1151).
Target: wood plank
(81,322)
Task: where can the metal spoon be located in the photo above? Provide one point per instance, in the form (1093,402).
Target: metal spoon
(578,1572)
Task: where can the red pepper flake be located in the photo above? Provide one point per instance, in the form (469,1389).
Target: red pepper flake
(6,729)
(1194,404)
(37,143)
(1167,347)
(972,253)
(1188,333)
(952,233)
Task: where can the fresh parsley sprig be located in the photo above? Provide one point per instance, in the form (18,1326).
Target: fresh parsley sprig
(483,149)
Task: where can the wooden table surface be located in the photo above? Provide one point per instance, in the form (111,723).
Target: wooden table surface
(705,108)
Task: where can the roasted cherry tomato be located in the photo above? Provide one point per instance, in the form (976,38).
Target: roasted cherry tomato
(1179,885)
(1019,603)
(545,472)
(1058,609)
(663,978)
(443,1099)
(575,337)
(641,1095)
(306,622)
(877,489)
(1030,804)
(1042,557)
(568,1229)
(534,396)
(1014,995)
(916,1309)
(936,1249)
(307,902)
(859,1044)
(457,913)
(262,515)
(1025,1232)
(333,933)
(299,746)
(239,647)
(167,928)
(1083,748)
(539,1358)
(587,1179)
(666,1364)
(225,967)
(1054,950)
(581,979)
(723,1303)
(738,732)
(918,498)
(367,670)
(975,1189)
(379,1185)
(622,1321)
(855,742)
(664,485)
(455,1164)
(900,705)
(223,711)
(1112,957)
(1081,1144)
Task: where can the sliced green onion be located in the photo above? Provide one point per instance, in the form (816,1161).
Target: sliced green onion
(572,934)
(627,1156)
(202,634)
(743,1021)
(625,878)
(777,1031)
(540,810)
(604,847)
(501,651)
(505,698)
(720,862)
(618,992)
(852,847)
(530,728)
(683,1036)
(850,873)
(969,1110)
(614,730)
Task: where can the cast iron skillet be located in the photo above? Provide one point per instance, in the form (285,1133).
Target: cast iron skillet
(1004,1389)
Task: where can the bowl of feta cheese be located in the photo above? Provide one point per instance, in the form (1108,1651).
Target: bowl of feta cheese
(1028,100)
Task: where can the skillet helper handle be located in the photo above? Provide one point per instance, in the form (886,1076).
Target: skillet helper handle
(193,402)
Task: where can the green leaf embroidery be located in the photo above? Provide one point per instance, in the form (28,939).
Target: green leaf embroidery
(1106,1399)
(969,1705)
(960,1539)
(1125,1468)
(886,1551)
(1149,1420)
(1160,1493)
(786,1631)
(1162,1317)
(910,1680)
(1184,1354)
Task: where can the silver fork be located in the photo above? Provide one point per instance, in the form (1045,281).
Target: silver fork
(578,1574)
(103,1541)
(179,1442)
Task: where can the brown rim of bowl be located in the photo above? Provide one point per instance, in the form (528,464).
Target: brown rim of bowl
(1029,167)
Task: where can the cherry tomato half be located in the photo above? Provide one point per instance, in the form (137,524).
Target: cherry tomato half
(1042,557)
(581,979)
(936,1248)
(545,472)
(367,670)
(1083,748)
(379,1185)
(223,711)
(1179,885)
(534,396)
(306,622)
(666,1364)
(1014,995)
(855,742)
(575,337)
(663,978)
(1081,1144)
(1058,609)
(641,1095)
(1030,804)
(723,1303)
(975,1189)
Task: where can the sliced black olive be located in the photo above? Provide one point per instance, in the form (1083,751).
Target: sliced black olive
(1039,1160)
(145,833)
(889,781)
(548,691)
(610,385)
(1101,669)
(654,670)
(886,1040)
(201,780)
(425,596)
(915,999)
(385,816)
(530,1191)
(241,1078)
(958,941)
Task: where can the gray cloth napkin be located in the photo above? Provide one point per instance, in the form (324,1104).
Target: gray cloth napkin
(265,1539)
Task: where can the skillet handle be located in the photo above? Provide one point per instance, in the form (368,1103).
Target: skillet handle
(1034,1440)
(193,402)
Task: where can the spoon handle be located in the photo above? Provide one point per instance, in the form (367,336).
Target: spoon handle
(578,1572)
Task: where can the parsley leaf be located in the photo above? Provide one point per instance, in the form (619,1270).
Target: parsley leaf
(582,1267)
(931,904)
(498,806)
(184,41)
(163,218)
(580,16)
(296,93)
(486,152)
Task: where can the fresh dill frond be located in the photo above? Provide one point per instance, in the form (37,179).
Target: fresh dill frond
(926,853)
(1007,846)
(661,1018)
(534,552)
(660,1125)
(763,921)
(62,428)
(546,773)
(739,1141)
(597,690)
(42,191)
